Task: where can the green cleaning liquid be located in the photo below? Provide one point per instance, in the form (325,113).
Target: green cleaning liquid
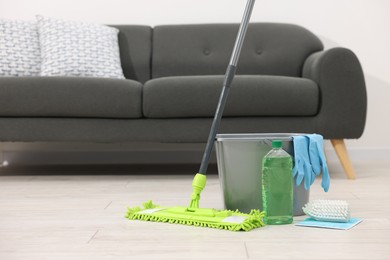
(277,186)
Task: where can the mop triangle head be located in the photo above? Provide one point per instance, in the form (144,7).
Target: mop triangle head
(212,218)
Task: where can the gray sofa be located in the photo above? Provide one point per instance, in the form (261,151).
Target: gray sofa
(285,82)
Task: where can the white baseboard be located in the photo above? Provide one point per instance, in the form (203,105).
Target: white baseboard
(103,154)
(361,154)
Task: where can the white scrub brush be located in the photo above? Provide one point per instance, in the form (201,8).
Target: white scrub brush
(328,210)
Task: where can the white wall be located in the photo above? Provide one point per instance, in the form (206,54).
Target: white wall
(361,25)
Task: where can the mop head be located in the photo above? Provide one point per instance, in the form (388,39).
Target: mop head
(212,218)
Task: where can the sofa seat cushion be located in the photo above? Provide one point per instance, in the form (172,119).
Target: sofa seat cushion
(250,95)
(70,97)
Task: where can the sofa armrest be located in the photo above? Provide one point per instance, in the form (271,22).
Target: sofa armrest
(343,97)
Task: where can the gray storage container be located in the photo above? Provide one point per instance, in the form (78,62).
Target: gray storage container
(239,158)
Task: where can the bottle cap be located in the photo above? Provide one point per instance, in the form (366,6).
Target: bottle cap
(276,143)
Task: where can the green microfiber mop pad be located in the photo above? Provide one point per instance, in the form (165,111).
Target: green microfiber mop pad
(220,219)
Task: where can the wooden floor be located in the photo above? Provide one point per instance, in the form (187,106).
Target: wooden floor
(81,217)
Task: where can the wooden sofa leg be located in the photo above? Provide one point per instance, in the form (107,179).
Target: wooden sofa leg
(342,153)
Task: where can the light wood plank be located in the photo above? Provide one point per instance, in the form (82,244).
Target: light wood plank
(82,217)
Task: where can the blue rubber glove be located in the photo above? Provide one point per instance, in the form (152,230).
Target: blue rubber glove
(318,159)
(302,168)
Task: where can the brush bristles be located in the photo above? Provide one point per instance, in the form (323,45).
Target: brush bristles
(328,210)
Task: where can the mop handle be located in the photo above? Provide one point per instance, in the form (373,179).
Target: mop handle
(230,72)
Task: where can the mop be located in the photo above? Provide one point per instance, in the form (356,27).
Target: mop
(207,217)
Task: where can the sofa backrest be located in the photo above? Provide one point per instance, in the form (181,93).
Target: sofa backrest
(205,49)
(135,44)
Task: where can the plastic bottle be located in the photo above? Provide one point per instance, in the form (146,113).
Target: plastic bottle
(277,186)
